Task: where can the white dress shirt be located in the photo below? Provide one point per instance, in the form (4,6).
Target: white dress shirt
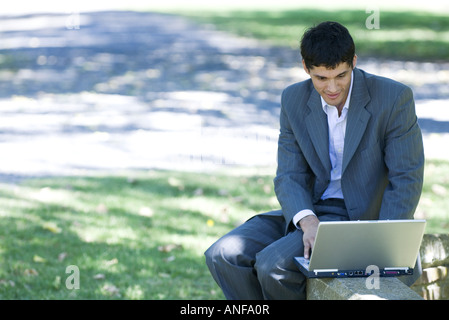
(337,130)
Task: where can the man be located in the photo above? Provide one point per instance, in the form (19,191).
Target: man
(349,148)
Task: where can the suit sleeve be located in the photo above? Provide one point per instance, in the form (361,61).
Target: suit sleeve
(404,158)
(294,179)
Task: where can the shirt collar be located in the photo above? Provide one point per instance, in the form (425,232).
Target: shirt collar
(324,104)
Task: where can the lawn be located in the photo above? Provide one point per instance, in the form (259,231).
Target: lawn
(405,35)
(139,235)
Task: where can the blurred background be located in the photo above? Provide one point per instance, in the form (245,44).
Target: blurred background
(97,86)
(135,133)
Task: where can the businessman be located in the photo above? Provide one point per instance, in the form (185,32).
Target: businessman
(349,148)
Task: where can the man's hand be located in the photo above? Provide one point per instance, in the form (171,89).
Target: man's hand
(309,226)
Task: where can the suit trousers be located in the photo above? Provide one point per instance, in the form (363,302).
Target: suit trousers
(255,260)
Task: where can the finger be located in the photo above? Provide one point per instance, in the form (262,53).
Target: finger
(306,250)
(312,243)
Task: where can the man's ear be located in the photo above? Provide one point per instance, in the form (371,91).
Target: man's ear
(354,61)
(305,67)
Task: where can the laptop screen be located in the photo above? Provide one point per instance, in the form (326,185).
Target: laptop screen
(358,244)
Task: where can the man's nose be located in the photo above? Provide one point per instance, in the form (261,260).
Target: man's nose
(332,86)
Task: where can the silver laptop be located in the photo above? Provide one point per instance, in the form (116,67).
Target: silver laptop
(358,248)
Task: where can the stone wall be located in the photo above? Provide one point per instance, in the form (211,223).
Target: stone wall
(434,282)
(390,288)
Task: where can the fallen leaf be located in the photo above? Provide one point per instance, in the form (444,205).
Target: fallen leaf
(39,259)
(169,247)
(7,283)
(52,227)
(62,256)
(57,282)
(111,289)
(170,259)
(30,272)
(164,275)
(99,276)
(111,262)
(224,215)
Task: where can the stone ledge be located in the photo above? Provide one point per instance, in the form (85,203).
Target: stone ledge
(434,250)
(356,289)
(433,274)
(433,284)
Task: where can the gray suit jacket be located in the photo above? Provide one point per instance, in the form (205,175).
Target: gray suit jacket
(383,159)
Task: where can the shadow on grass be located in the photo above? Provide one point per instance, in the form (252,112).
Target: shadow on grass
(139,235)
(132,237)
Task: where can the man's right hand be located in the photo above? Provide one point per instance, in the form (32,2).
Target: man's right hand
(309,226)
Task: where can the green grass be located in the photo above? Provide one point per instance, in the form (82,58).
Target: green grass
(434,202)
(402,35)
(139,235)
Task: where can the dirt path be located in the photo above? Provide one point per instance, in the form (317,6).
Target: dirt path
(128,90)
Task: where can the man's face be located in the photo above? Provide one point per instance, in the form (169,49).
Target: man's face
(332,84)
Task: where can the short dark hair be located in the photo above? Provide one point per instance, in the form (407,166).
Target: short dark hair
(327,44)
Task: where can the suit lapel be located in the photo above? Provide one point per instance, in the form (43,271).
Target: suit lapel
(358,117)
(318,129)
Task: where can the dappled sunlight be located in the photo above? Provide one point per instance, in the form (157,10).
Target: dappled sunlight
(117,229)
(428,80)
(435,251)
(47,195)
(96,105)
(358,296)
(108,234)
(127,90)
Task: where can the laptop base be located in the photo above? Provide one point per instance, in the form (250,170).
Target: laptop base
(302,264)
